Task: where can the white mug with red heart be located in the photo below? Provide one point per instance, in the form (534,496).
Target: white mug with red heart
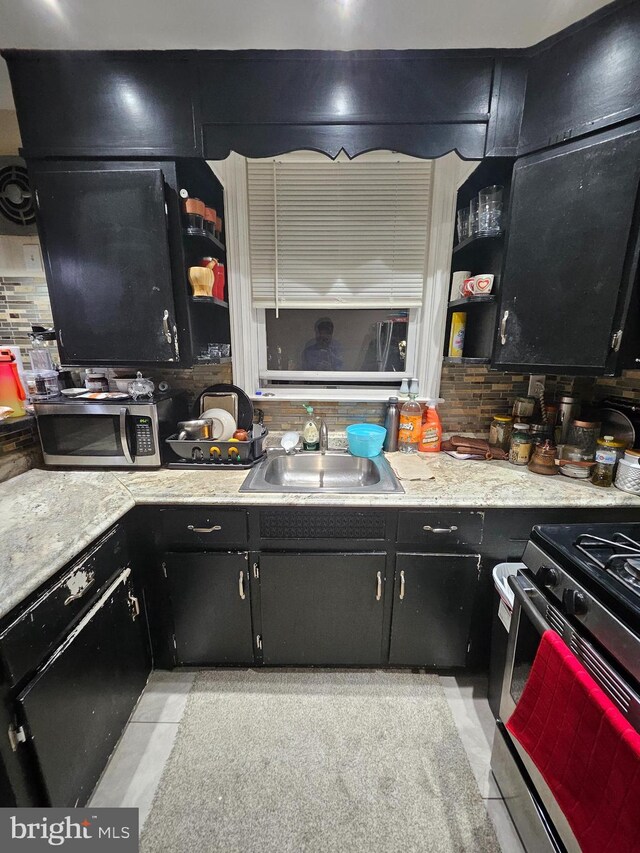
(482,284)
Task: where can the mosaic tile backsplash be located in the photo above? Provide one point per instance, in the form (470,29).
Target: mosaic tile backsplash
(472,395)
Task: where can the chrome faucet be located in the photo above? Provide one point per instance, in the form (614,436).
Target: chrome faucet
(324,437)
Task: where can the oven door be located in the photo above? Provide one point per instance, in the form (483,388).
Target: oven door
(85,434)
(527,796)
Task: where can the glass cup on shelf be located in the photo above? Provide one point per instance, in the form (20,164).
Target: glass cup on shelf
(490,210)
(463,224)
(473,216)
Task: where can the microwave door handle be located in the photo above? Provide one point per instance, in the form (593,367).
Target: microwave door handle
(123,435)
(523,591)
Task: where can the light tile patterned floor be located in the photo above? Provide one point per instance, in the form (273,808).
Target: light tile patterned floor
(135,768)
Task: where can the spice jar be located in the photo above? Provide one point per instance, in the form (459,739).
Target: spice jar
(608,452)
(500,432)
(584,434)
(540,433)
(523,407)
(210,221)
(520,447)
(193,212)
(543,459)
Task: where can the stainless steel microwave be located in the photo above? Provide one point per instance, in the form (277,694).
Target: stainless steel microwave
(107,433)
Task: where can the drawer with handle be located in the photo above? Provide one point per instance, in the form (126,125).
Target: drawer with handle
(435,528)
(204,527)
(38,625)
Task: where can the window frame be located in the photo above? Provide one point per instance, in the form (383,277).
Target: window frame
(248,336)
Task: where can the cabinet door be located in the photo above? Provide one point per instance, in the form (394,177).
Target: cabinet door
(76,707)
(571,255)
(106,250)
(323,609)
(211,607)
(433,602)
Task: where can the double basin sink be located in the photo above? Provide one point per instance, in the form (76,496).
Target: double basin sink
(333,471)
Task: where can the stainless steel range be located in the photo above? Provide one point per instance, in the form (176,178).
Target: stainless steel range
(583,582)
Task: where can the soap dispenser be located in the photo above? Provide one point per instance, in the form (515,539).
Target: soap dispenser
(310,431)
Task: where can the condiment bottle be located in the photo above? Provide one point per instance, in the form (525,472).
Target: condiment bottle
(607,454)
(410,426)
(310,431)
(391,423)
(520,447)
(431,432)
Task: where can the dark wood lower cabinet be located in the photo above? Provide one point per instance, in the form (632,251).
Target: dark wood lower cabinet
(75,708)
(433,602)
(211,607)
(322,608)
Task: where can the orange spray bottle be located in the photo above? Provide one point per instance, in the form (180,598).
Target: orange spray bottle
(431,434)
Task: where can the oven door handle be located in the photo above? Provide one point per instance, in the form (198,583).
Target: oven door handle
(524,591)
(123,435)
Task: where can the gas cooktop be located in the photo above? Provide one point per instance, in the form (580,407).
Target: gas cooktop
(606,556)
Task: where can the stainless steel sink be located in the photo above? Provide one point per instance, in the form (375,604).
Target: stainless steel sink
(334,471)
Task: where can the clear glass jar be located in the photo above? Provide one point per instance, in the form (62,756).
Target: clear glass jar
(520,446)
(500,432)
(608,453)
(523,407)
(584,434)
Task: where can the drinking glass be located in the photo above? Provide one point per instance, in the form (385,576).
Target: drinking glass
(490,210)
(463,224)
(473,216)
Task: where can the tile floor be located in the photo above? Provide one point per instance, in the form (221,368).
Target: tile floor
(135,768)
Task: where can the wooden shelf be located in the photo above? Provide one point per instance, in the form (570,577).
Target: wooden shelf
(204,235)
(477,238)
(211,300)
(449,359)
(484,299)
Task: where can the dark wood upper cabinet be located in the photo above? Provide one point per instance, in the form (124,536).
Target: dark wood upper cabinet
(106,103)
(583,80)
(105,242)
(372,87)
(571,258)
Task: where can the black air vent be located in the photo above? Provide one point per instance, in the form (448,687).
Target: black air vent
(16,198)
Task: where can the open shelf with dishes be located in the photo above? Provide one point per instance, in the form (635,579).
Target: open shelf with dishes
(479,257)
(204,253)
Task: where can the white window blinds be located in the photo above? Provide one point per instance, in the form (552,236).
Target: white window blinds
(342,234)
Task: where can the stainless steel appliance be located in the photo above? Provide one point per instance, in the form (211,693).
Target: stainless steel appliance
(78,433)
(583,582)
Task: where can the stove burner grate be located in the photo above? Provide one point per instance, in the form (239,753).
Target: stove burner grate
(619,556)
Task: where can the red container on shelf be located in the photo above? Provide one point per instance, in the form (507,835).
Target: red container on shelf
(218,281)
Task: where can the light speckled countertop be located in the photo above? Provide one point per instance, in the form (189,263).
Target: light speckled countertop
(47,517)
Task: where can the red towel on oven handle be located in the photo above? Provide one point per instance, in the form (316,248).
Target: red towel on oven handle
(586,751)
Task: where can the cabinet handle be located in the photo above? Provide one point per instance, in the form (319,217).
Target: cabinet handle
(401,585)
(204,529)
(135,605)
(503,328)
(175,342)
(430,529)
(165,326)
(60,341)
(241,592)
(378,586)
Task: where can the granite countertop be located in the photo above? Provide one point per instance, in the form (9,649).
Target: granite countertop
(48,517)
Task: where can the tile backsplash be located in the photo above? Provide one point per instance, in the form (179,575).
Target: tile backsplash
(23,302)
(472,394)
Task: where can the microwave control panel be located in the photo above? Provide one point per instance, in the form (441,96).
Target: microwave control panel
(145,445)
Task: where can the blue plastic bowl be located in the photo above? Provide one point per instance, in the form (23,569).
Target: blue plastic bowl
(365,439)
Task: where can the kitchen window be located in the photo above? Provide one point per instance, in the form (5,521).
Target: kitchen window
(337,282)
